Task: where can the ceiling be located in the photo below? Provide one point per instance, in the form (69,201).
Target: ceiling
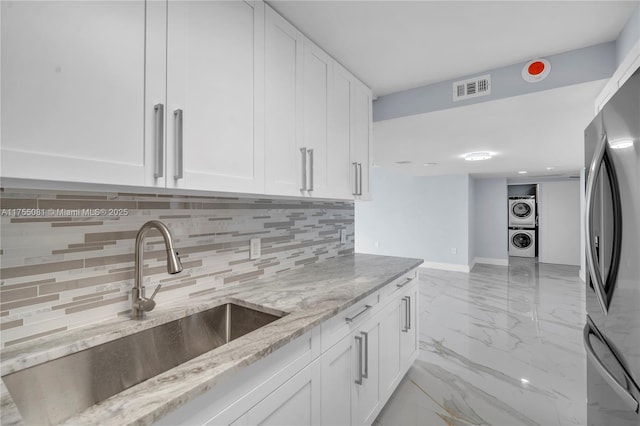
(527,133)
(399,45)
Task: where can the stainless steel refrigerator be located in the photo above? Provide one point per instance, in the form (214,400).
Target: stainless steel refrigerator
(612,218)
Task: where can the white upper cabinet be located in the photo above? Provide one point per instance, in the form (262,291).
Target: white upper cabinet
(361,148)
(316,67)
(222,96)
(341,132)
(215,96)
(283,106)
(73,86)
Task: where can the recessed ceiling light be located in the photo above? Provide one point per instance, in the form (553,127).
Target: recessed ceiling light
(522,172)
(550,168)
(403,162)
(478,156)
(430,164)
(524,381)
(621,144)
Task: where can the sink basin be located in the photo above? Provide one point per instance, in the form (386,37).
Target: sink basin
(51,392)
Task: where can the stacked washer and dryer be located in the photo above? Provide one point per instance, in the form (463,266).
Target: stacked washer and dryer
(522,226)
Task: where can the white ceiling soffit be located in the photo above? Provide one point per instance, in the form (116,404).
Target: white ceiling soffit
(399,45)
(529,132)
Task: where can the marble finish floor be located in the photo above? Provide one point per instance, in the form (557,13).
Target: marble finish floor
(499,346)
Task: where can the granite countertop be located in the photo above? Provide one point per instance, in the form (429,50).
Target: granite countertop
(309,295)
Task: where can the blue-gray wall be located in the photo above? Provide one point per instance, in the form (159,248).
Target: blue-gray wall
(574,67)
(629,36)
(421,217)
(491,219)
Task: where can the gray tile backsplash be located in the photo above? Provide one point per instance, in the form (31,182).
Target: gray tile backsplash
(66,258)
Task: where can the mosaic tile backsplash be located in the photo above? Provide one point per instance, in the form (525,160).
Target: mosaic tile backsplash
(66,258)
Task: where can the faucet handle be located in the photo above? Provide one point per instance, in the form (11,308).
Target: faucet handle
(155,292)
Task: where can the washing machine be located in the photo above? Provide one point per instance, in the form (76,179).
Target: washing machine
(522,212)
(522,242)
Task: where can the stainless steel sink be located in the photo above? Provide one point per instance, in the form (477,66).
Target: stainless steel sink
(51,392)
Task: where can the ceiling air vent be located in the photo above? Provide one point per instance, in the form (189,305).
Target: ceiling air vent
(472,88)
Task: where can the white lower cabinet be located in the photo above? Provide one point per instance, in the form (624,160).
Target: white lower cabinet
(409,337)
(297,402)
(367,390)
(340,373)
(390,360)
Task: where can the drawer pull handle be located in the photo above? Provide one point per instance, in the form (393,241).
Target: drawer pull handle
(365,375)
(359,341)
(406,327)
(366,308)
(407,281)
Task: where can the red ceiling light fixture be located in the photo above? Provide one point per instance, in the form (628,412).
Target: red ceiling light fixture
(536,70)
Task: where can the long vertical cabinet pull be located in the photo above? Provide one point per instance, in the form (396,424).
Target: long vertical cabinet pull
(310,152)
(405,326)
(365,375)
(355,178)
(177,116)
(360,178)
(409,313)
(359,341)
(158,121)
(303,152)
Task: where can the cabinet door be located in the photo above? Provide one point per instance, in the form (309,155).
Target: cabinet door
(338,375)
(297,402)
(409,336)
(283,106)
(73,91)
(361,149)
(341,132)
(390,361)
(368,393)
(316,75)
(215,78)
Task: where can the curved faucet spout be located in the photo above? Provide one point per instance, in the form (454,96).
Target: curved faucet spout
(140,304)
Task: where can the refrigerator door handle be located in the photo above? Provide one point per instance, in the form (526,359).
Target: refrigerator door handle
(594,171)
(618,387)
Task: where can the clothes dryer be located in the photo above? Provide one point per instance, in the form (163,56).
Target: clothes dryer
(522,212)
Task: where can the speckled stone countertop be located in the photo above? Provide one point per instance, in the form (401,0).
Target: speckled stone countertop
(309,295)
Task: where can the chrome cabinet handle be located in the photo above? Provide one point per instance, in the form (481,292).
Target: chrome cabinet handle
(158,121)
(303,152)
(366,308)
(310,152)
(177,116)
(360,180)
(405,326)
(407,281)
(359,341)
(365,375)
(594,171)
(618,387)
(409,313)
(355,178)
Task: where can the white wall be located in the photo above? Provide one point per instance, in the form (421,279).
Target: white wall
(420,217)
(491,221)
(559,223)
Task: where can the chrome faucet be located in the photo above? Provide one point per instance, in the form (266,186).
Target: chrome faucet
(140,304)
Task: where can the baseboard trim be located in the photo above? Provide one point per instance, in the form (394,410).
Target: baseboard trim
(446,266)
(490,261)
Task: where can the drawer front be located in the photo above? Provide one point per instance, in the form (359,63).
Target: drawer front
(348,320)
(398,285)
